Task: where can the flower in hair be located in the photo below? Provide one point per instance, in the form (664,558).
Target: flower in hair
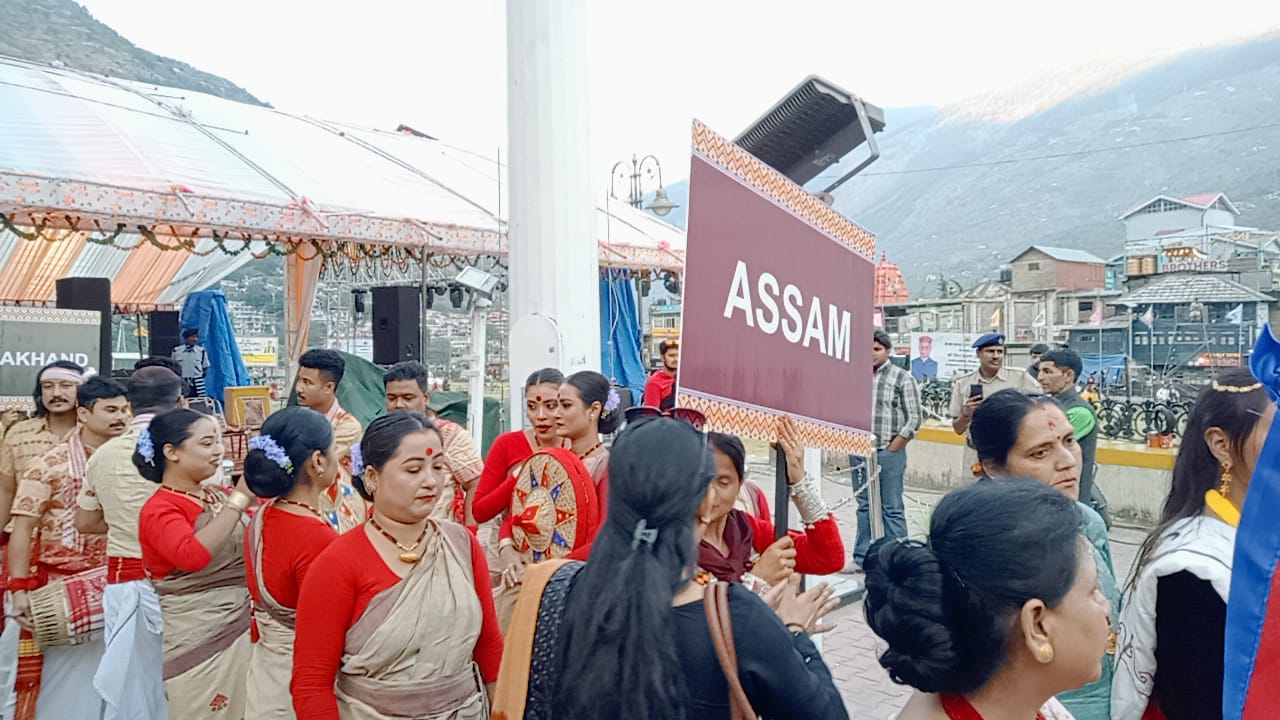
(273,451)
(146,448)
(357,461)
(612,402)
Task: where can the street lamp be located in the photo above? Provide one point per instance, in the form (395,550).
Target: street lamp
(646,168)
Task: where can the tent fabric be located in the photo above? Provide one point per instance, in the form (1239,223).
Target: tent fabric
(206,311)
(94,155)
(1109,369)
(301,274)
(620,338)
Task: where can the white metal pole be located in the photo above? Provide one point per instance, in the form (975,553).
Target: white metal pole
(554,273)
(475,394)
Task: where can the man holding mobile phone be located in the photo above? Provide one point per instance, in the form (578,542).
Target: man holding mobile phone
(970,389)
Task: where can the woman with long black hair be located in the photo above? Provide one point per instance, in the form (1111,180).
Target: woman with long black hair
(626,635)
(1169,661)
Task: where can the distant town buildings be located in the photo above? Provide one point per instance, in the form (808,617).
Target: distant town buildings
(1190,288)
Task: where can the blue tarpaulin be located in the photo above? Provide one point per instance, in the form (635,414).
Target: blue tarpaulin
(1108,369)
(206,311)
(620,358)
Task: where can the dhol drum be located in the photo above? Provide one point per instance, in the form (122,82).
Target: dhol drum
(68,611)
(554,507)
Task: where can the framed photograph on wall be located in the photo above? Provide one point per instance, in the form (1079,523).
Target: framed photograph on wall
(247,406)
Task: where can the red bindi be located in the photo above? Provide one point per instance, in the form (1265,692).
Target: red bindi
(538,398)
(430,452)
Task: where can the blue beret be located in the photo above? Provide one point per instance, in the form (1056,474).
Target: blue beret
(988,340)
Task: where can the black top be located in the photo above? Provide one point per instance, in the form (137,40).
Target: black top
(1191,622)
(781,671)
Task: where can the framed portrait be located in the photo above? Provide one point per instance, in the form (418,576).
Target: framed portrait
(247,406)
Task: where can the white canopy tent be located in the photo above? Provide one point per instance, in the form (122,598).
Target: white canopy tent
(167,191)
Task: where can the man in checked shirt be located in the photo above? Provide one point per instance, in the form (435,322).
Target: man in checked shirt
(895,417)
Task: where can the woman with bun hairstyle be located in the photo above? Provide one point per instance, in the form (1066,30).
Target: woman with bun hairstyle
(1020,434)
(626,636)
(509,450)
(192,538)
(1169,662)
(997,613)
(292,461)
(395,618)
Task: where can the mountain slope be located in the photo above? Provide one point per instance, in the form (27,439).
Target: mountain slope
(963,223)
(53,32)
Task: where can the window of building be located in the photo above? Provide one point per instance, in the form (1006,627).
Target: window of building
(1033,266)
(1160,206)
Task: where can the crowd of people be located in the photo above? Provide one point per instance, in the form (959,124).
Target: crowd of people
(391,571)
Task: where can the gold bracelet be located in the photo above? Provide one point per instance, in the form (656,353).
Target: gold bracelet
(239,501)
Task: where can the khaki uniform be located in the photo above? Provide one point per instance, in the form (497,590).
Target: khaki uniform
(1015,378)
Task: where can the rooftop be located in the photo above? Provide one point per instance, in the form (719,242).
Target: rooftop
(1185,288)
(1199,201)
(1065,255)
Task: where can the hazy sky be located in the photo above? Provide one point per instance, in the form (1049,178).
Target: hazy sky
(441,66)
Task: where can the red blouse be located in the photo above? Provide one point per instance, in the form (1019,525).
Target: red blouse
(290,543)
(819,549)
(493,492)
(166,530)
(335,593)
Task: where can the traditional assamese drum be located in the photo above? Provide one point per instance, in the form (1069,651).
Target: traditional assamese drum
(553,505)
(68,611)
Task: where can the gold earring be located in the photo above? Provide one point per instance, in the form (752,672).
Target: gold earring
(1046,653)
(1224,482)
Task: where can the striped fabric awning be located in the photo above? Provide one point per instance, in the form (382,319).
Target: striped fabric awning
(93,158)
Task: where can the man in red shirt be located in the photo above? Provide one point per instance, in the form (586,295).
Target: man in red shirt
(660,391)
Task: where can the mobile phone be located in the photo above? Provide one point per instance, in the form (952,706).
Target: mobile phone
(975,391)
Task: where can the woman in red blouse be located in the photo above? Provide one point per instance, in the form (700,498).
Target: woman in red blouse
(395,618)
(510,450)
(737,546)
(293,461)
(192,548)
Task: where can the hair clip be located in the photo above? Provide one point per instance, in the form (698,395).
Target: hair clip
(273,451)
(1236,388)
(643,534)
(146,448)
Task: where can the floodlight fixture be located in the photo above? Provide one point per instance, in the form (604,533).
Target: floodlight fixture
(811,129)
(477,280)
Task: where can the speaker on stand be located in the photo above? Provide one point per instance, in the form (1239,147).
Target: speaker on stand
(163,326)
(397,316)
(80,293)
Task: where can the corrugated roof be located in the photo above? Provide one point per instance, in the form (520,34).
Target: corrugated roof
(1066,255)
(1178,288)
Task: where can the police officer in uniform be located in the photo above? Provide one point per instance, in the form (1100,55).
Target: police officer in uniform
(970,389)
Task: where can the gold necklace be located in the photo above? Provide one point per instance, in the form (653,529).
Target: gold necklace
(304,506)
(408,555)
(179,491)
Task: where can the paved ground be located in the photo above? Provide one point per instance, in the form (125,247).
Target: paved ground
(851,649)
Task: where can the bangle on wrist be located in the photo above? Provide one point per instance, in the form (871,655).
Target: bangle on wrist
(797,628)
(239,501)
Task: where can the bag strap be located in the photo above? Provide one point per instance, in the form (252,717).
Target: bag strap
(715,601)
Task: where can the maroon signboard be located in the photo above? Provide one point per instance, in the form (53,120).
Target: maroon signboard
(777,304)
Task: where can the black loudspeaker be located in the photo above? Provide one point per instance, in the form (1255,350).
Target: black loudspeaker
(163,326)
(79,293)
(397,317)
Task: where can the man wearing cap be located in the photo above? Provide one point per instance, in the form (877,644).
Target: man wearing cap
(1037,351)
(970,389)
(194,362)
